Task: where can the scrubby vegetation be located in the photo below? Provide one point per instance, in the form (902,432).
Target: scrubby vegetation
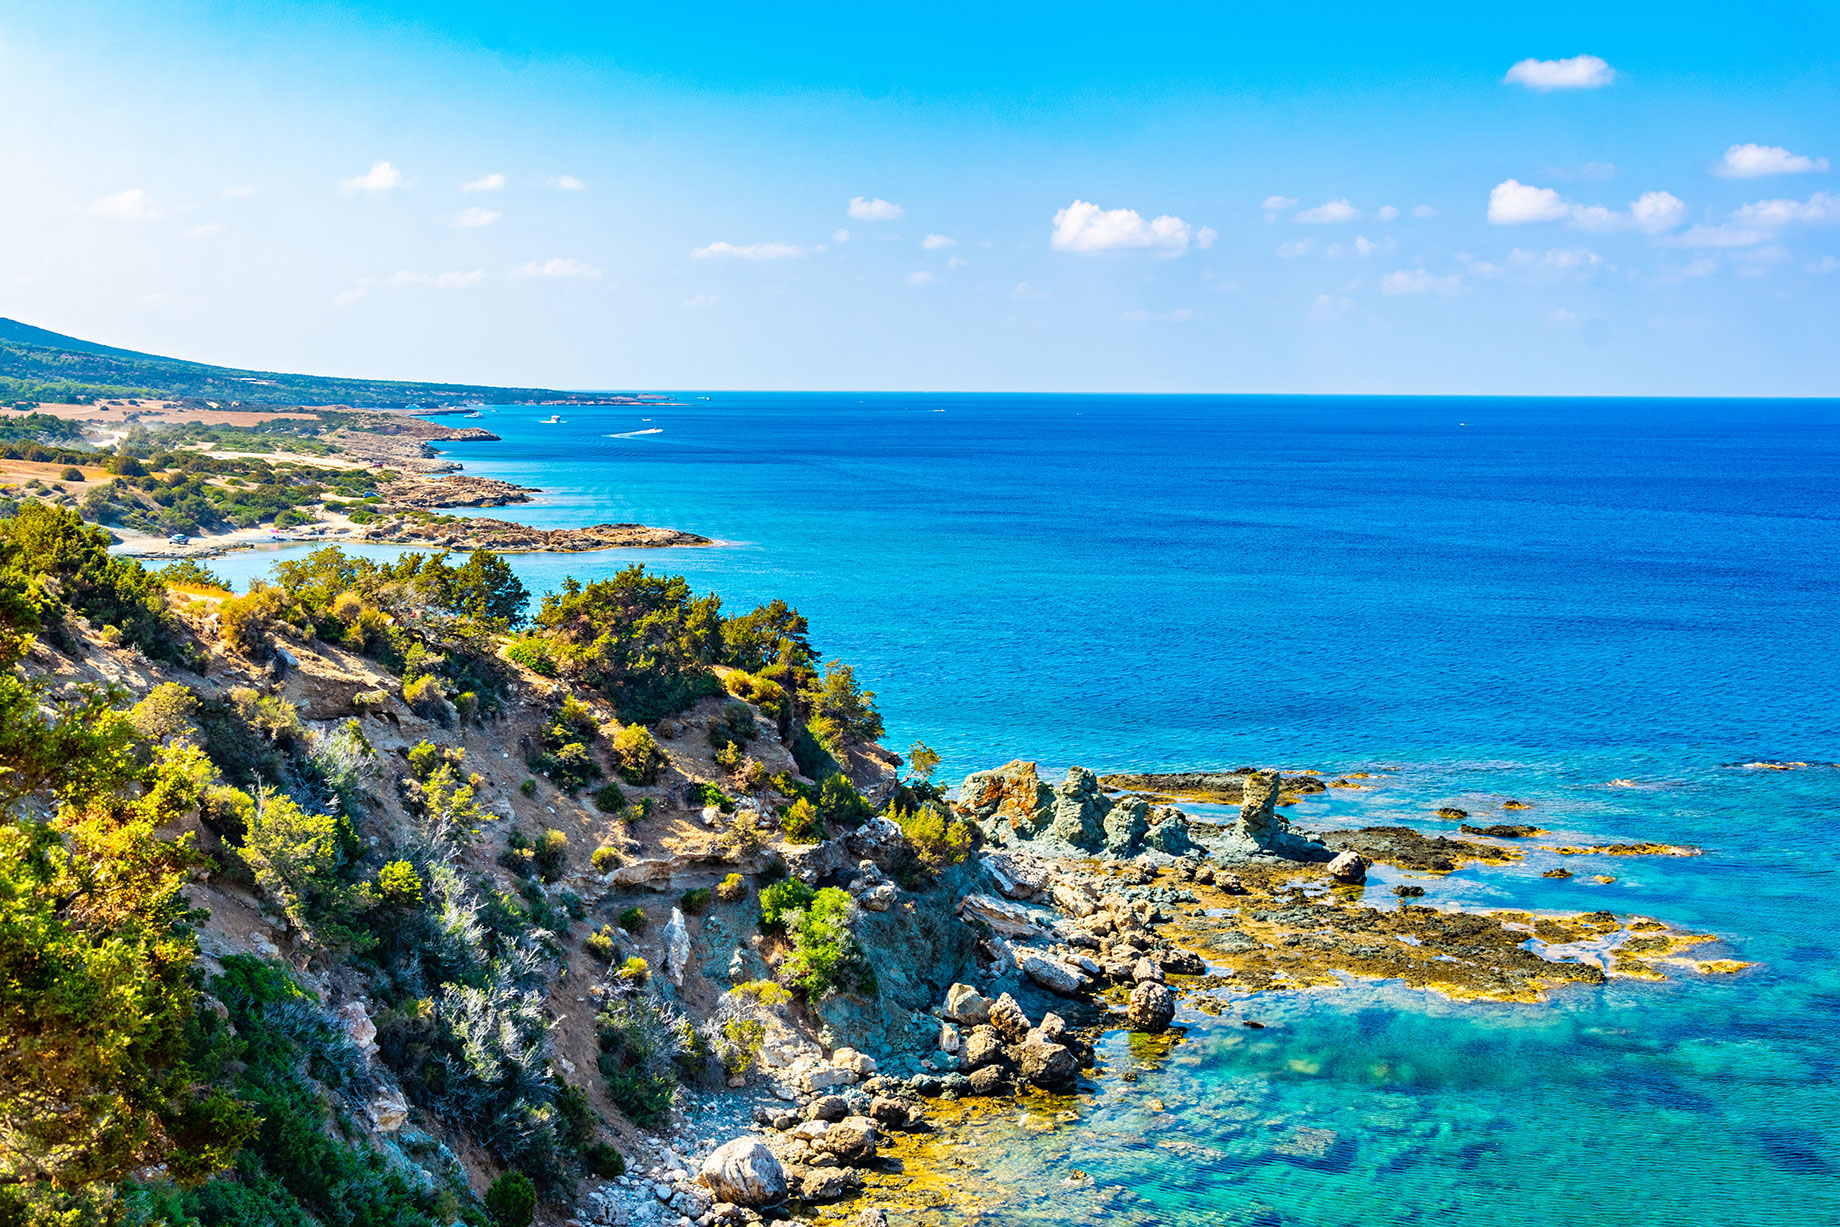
(377,867)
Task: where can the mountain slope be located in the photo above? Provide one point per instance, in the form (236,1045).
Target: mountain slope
(36,364)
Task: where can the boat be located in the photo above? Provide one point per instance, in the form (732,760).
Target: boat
(551,420)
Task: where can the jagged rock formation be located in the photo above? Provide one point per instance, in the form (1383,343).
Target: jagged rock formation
(1076,816)
(1262,830)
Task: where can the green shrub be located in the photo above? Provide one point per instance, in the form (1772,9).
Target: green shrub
(635,970)
(841,710)
(528,788)
(763,992)
(783,897)
(640,1039)
(695,902)
(606,858)
(824,953)
(600,944)
(426,697)
(71,473)
(633,919)
(247,623)
(551,854)
(603,1161)
(839,802)
(801,823)
(636,755)
(299,859)
(533,652)
(641,639)
(705,793)
(939,839)
(733,730)
(512,1200)
(608,799)
(399,885)
(732,889)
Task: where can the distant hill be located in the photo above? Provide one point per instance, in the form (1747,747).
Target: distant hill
(39,365)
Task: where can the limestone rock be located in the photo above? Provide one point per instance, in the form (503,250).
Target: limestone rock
(1010,798)
(989,1080)
(1152,1008)
(1044,1062)
(1126,825)
(1006,919)
(1018,875)
(1348,866)
(886,1111)
(878,839)
(1073,899)
(388,1111)
(1009,1020)
(1079,811)
(676,948)
(1169,832)
(1258,815)
(949,1039)
(1147,971)
(966,1005)
(879,898)
(982,1047)
(828,1108)
(1054,976)
(870,1216)
(851,1140)
(359,1027)
(745,1172)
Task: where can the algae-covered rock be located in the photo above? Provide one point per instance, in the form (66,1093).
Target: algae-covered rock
(1045,1063)
(1348,866)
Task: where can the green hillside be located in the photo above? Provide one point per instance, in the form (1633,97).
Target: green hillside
(37,365)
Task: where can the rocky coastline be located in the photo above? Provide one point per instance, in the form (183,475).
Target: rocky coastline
(1086,913)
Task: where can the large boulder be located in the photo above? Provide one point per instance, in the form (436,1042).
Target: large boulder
(1010,798)
(1348,866)
(983,1047)
(967,1006)
(851,1140)
(1054,976)
(1258,814)
(1126,824)
(1009,1020)
(1017,874)
(1044,1062)
(745,1172)
(1152,1007)
(1079,811)
(1169,831)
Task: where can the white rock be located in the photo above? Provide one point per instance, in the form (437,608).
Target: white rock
(966,1005)
(745,1172)
(1004,918)
(1055,977)
(676,948)
(950,1041)
(1349,866)
(359,1027)
(389,1111)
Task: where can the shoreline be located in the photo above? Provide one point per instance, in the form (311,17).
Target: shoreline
(415,484)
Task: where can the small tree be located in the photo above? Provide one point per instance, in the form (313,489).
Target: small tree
(297,858)
(841,710)
(923,760)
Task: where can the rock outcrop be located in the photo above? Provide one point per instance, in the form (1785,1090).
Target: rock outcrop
(1074,817)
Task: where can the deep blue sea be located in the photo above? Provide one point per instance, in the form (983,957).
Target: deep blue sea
(1473,599)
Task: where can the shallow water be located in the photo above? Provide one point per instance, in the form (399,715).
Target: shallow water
(1491,598)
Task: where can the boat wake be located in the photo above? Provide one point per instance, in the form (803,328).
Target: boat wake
(631,434)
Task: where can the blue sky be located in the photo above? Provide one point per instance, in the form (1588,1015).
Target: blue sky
(1170,197)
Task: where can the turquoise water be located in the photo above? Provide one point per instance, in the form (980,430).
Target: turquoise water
(1484,598)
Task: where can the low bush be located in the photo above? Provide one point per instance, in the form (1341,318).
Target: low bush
(533,652)
(551,854)
(636,755)
(939,839)
(695,902)
(606,858)
(781,898)
(512,1199)
(801,823)
(608,799)
(603,1161)
(641,1039)
(633,919)
(399,885)
(601,944)
(825,955)
(732,889)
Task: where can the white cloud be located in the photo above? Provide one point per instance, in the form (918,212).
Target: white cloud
(1560,315)
(1820,209)
(567,183)
(874,209)
(439,281)
(933,242)
(1578,72)
(557,266)
(957,262)
(237,193)
(1329,213)
(1386,213)
(133,205)
(721,250)
(1423,211)
(1513,203)
(476,217)
(1275,205)
(485,183)
(701,302)
(921,278)
(381,177)
(1420,281)
(1724,235)
(1181,315)
(1328,307)
(840,236)
(1024,292)
(347,297)
(204,231)
(1826,264)
(1085,227)
(1656,212)
(1754,161)
(1290,251)
(1560,259)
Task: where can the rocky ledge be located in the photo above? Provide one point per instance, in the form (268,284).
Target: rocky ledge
(457,533)
(453,491)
